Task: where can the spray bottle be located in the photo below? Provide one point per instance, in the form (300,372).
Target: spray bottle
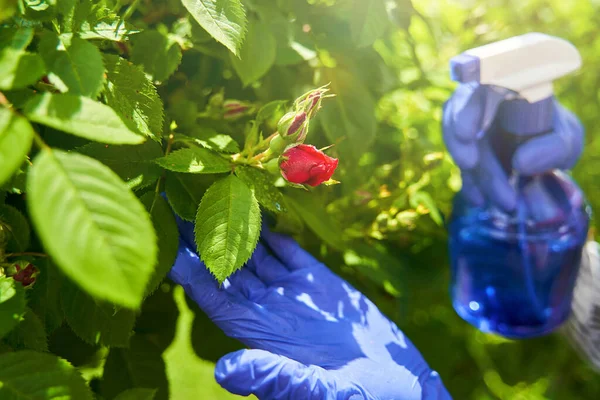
(513,274)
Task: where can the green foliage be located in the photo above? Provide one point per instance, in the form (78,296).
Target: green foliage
(130,92)
(12,304)
(194,160)
(82,117)
(227,226)
(257,54)
(106,105)
(85,215)
(29,374)
(74,65)
(224,20)
(16,136)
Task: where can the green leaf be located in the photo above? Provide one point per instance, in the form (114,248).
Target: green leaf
(425,199)
(257,54)
(261,184)
(159,54)
(74,65)
(185,191)
(19,68)
(168,234)
(105,31)
(16,228)
(227,226)
(194,160)
(80,116)
(141,365)
(12,304)
(350,114)
(133,96)
(137,394)
(94,321)
(30,334)
(16,135)
(225,20)
(318,220)
(17,38)
(7,9)
(273,108)
(33,375)
(134,164)
(368,21)
(92,225)
(44,297)
(210,139)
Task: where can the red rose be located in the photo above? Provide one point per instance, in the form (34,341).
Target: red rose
(305,164)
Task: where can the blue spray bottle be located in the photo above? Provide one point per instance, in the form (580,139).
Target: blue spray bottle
(513,273)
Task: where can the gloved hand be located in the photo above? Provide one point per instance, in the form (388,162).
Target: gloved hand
(467,123)
(312,336)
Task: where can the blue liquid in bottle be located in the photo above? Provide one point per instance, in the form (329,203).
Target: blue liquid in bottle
(514,274)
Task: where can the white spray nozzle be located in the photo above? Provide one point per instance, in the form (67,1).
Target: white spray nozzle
(525,64)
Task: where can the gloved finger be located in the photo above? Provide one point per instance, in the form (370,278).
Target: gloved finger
(287,250)
(246,283)
(493,181)
(559,149)
(270,376)
(265,265)
(470,190)
(464,153)
(189,272)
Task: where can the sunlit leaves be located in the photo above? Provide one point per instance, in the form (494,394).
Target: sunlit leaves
(195,160)
(16,136)
(257,54)
(159,54)
(12,304)
(134,164)
(262,184)
(82,117)
(227,226)
(19,68)
(95,229)
(133,96)
(224,20)
(32,375)
(74,65)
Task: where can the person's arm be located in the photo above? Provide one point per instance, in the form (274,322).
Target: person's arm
(311,335)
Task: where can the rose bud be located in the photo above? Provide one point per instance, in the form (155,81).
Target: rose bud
(24,272)
(234,109)
(293,126)
(305,164)
(310,102)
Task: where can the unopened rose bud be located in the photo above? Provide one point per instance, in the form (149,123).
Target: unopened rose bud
(24,272)
(306,165)
(234,109)
(293,127)
(310,102)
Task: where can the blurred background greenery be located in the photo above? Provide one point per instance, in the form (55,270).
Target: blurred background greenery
(383,227)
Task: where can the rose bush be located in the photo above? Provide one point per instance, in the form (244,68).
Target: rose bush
(105,105)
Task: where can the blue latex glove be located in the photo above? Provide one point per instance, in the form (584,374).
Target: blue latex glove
(312,336)
(467,120)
